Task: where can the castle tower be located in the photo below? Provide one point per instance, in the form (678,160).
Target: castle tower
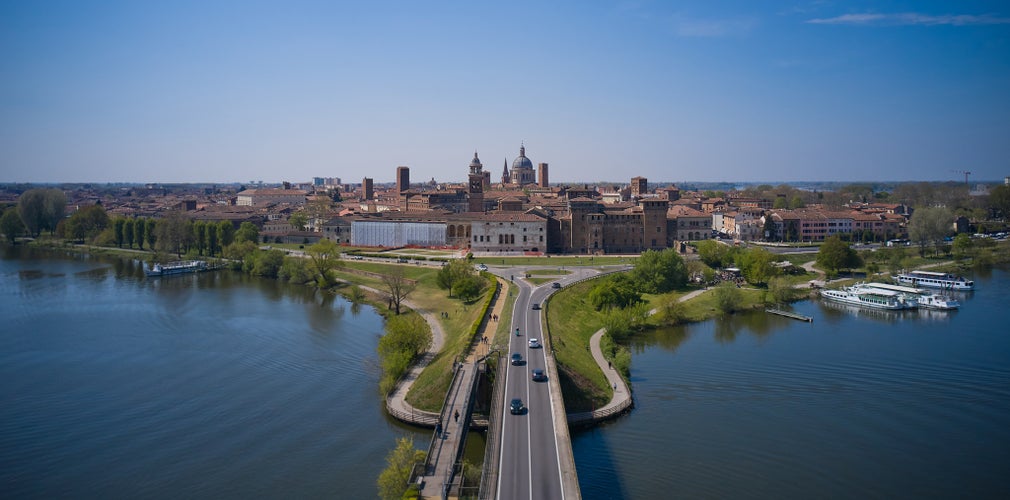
(475,188)
(366,187)
(542,175)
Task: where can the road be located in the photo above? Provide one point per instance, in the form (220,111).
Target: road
(530,463)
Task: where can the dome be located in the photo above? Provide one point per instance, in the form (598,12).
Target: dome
(475,162)
(522,161)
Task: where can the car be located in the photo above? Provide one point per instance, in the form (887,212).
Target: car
(538,375)
(481,267)
(534,343)
(536,306)
(402,260)
(516,407)
(555,285)
(517,359)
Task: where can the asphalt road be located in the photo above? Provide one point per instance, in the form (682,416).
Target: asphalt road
(530,465)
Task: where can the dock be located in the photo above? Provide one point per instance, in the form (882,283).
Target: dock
(789,314)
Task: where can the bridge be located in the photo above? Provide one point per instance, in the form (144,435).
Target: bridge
(528,454)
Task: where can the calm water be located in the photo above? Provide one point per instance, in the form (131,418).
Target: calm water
(199,386)
(867,405)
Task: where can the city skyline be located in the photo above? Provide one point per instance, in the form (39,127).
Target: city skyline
(701,92)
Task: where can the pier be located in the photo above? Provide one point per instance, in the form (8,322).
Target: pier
(789,314)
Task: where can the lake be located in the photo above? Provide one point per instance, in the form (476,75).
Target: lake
(211,385)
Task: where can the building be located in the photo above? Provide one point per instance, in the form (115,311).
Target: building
(264,197)
(475,186)
(368,192)
(542,175)
(522,170)
(639,186)
(402,179)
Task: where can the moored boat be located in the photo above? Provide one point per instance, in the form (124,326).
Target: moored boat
(177,267)
(931,279)
(924,298)
(869,297)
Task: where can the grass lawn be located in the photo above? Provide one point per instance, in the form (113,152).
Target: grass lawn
(539,281)
(429,390)
(572,322)
(548,272)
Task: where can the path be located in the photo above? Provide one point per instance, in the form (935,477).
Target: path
(621,399)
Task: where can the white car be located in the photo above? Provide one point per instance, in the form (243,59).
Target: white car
(534,343)
(481,267)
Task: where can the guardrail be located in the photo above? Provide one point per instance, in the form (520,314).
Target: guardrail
(492,445)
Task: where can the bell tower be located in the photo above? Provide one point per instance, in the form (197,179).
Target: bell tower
(475,187)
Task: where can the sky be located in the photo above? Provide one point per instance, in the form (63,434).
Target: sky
(733,91)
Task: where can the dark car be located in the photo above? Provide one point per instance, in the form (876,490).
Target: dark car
(536,306)
(538,375)
(516,407)
(517,359)
(555,285)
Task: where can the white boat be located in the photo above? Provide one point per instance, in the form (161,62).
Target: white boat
(178,267)
(932,279)
(924,298)
(870,297)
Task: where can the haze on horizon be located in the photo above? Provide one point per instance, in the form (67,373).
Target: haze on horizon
(735,91)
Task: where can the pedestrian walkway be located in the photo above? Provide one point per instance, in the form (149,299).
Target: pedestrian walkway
(621,399)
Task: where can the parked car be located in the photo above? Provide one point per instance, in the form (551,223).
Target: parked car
(517,407)
(538,375)
(517,359)
(534,343)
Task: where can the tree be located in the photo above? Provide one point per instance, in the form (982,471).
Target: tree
(835,254)
(962,246)
(999,202)
(86,223)
(225,233)
(615,292)
(470,287)
(41,210)
(174,233)
(149,231)
(780,290)
(393,480)
(11,225)
(757,265)
(398,287)
(298,220)
(210,232)
(324,257)
(928,226)
(452,273)
(780,203)
(796,202)
(713,253)
(727,297)
(119,232)
(199,236)
(659,271)
(139,226)
(247,231)
(264,263)
(128,233)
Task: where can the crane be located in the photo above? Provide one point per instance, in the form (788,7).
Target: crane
(966,174)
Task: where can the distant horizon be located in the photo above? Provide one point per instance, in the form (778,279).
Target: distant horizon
(971,183)
(782,89)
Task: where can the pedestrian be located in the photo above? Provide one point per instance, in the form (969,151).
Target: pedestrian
(609,365)
(456,416)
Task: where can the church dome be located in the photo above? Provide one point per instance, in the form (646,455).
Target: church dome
(522,162)
(475,162)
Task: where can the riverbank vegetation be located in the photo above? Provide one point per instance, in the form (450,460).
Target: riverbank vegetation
(394,480)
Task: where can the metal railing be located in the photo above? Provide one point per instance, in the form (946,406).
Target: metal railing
(492,444)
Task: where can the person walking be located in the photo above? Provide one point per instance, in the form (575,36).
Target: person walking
(456,416)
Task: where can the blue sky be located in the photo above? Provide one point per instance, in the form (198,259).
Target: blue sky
(766,91)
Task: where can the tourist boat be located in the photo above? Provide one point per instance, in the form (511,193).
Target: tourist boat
(924,298)
(178,267)
(870,297)
(932,279)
